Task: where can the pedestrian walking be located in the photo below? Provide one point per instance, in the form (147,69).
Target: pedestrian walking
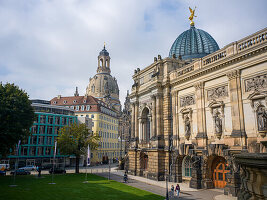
(172,191)
(177,189)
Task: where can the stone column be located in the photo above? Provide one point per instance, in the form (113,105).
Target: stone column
(154,114)
(133,121)
(238,127)
(195,181)
(158,114)
(175,119)
(136,120)
(201,115)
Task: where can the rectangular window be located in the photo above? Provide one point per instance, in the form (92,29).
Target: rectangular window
(42,129)
(57,120)
(34,139)
(82,108)
(87,107)
(56,129)
(40,151)
(49,140)
(77,108)
(24,151)
(34,129)
(41,140)
(64,121)
(32,151)
(50,119)
(48,151)
(50,130)
(42,119)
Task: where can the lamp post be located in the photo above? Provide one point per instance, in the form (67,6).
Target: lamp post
(167,193)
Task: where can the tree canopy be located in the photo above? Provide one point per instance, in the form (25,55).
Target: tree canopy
(16,116)
(74,140)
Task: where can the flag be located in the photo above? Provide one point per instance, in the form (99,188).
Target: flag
(18,147)
(88,155)
(55,151)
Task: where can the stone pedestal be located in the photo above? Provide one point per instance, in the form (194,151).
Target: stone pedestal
(253,169)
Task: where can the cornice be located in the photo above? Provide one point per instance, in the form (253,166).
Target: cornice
(219,65)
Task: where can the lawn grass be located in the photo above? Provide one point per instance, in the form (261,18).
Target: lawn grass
(70,187)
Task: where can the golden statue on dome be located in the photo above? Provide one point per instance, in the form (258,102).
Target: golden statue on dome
(192,16)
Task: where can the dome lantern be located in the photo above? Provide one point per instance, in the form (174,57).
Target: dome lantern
(103,61)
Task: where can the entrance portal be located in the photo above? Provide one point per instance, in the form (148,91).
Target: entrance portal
(219,175)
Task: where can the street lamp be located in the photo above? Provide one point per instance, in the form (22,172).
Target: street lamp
(167,193)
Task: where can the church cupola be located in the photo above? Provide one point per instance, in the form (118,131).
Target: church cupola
(103,61)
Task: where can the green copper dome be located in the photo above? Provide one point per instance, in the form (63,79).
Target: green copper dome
(193,43)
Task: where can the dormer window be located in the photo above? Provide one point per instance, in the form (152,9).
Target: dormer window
(74,101)
(54,102)
(84,101)
(64,101)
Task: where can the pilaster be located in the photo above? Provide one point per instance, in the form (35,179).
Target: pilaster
(201,116)
(238,126)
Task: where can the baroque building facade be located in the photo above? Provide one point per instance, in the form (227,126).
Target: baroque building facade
(196,109)
(103,86)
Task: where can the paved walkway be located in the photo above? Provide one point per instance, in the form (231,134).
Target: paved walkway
(159,187)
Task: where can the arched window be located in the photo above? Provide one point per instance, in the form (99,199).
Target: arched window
(93,88)
(187,167)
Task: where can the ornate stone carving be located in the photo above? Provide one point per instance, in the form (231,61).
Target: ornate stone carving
(199,85)
(187,101)
(256,83)
(233,74)
(218,92)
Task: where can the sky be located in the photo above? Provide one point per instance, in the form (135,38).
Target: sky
(48,47)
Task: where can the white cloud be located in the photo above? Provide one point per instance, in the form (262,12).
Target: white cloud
(49,47)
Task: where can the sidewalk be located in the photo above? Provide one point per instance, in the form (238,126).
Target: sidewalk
(184,186)
(159,187)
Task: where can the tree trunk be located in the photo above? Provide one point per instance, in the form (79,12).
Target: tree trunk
(77,164)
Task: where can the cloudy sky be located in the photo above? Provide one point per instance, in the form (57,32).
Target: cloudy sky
(48,47)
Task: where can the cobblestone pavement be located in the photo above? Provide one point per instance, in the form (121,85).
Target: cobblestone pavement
(188,195)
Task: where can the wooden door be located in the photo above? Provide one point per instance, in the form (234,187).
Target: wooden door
(219,175)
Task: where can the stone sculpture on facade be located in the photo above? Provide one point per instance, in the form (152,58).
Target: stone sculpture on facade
(218,123)
(262,120)
(187,128)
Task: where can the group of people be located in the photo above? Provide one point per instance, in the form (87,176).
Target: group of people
(177,190)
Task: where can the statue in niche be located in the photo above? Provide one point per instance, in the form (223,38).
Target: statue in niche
(187,128)
(262,119)
(218,123)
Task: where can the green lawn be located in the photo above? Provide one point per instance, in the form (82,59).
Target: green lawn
(70,186)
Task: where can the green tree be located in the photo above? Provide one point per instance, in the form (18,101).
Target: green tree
(74,140)
(16,116)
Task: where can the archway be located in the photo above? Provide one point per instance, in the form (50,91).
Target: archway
(218,172)
(145,126)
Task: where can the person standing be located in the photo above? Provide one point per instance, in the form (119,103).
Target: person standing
(172,191)
(177,189)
